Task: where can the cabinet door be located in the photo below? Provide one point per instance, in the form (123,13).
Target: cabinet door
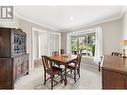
(20,64)
(25,64)
(5,41)
(113,80)
(6,73)
(18,43)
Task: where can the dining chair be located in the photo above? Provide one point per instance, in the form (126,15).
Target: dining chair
(51,70)
(99,64)
(55,53)
(62,51)
(74,67)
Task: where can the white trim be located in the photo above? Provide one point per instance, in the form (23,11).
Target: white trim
(27,19)
(80,32)
(37,29)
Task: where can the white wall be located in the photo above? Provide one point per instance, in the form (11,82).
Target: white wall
(112,35)
(125,28)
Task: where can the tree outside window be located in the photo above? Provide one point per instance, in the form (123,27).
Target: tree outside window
(84,44)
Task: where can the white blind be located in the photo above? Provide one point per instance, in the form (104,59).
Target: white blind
(43,44)
(54,42)
(48,43)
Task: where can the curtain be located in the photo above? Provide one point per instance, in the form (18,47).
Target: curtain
(68,44)
(98,45)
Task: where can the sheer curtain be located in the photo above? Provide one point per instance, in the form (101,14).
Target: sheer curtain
(98,45)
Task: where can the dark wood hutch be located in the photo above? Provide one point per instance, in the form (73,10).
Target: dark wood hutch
(13,57)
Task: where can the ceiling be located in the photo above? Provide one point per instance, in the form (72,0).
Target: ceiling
(67,17)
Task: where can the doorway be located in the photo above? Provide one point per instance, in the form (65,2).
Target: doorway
(44,43)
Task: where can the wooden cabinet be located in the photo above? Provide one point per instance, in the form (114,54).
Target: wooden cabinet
(13,57)
(20,64)
(114,72)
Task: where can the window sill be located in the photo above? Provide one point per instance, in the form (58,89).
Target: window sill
(91,57)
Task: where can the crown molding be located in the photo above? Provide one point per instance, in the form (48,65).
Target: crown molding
(34,22)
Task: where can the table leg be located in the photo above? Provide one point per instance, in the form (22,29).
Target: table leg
(65,83)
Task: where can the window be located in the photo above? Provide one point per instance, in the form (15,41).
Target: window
(84,44)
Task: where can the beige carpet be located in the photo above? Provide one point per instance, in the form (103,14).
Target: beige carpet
(90,79)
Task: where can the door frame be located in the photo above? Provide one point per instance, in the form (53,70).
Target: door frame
(33,30)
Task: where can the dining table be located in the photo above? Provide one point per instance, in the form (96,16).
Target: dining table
(64,59)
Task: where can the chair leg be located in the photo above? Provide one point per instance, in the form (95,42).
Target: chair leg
(70,72)
(44,77)
(78,71)
(51,82)
(99,66)
(58,66)
(61,78)
(75,76)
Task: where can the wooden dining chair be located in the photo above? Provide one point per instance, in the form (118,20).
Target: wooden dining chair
(55,53)
(99,64)
(62,51)
(74,67)
(51,70)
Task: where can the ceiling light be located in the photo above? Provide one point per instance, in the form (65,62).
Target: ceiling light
(71,18)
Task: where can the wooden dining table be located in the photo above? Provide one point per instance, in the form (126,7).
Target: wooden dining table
(64,59)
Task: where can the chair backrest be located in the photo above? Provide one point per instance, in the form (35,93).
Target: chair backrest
(116,54)
(47,64)
(75,52)
(78,60)
(55,53)
(62,51)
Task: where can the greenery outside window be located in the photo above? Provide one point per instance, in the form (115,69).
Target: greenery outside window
(84,44)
